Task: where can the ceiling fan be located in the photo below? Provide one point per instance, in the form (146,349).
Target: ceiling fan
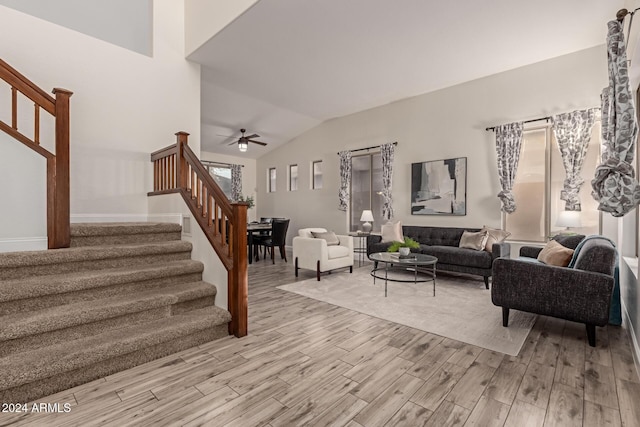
(243,141)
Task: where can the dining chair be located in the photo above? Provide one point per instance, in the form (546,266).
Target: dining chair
(277,238)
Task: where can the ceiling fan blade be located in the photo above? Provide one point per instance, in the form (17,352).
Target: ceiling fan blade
(255,135)
(257,142)
(234,142)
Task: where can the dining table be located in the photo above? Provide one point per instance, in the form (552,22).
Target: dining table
(255,228)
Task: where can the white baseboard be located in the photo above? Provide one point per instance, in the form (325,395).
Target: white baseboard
(174,218)
(632,336)
(20,244)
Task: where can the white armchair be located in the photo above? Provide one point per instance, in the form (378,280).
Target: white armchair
(314,254)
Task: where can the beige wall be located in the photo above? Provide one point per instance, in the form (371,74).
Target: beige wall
(444,124)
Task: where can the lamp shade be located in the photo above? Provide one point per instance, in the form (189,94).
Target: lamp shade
(569,219)
(242,146)
(366,216)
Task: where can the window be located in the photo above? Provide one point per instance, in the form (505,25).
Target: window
(222,176)
(316,180)
(538,184)
(293,177)
(271,180)
(366,189)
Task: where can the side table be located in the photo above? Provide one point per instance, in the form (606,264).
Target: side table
(360,249)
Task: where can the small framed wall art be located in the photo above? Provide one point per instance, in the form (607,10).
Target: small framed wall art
(439,187)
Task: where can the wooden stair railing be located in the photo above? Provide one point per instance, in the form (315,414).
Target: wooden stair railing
(58,202)
(176,169)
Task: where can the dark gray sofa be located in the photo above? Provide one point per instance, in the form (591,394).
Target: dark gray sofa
(443,242)
(579,294)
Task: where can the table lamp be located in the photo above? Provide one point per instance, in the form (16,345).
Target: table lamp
(367,216)
(569,219)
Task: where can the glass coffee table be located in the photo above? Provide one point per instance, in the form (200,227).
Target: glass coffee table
(418,263)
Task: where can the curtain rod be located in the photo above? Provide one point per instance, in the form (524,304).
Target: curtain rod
(525,121)
(370,148)
(209,162)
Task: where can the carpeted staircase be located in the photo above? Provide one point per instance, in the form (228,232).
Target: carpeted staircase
(122,295)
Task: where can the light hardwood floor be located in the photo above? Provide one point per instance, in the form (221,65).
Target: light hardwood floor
(306,362)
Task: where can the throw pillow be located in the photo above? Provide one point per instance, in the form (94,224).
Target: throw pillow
(555,254)
(495,236)
(329,236)
(392,232)
(472,240)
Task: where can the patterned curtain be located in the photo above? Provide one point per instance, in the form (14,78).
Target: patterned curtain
(236,182)
(345,180)
(614,185)
(387,151)
(573,131)
(508,143)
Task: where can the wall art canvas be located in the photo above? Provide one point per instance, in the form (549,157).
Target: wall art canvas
(439,187)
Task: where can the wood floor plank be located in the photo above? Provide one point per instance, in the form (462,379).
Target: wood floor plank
(250,380)
(565,407)
(258,415)
(381,409)
(420,346)
(204,405)
(174,385)
(505,382)
(629,396)
(380,379)
(315,404)
(432,361)
(600,385)
(470,387)
(368,367)
(600,416)
(465,355)
(410,415)
(523,414)
(448,414)
(234,408)
(438,386)
(306,387)
(536,385)
(624,366)
(340,413)
(488,413)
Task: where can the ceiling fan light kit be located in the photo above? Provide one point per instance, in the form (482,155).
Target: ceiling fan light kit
(243,141)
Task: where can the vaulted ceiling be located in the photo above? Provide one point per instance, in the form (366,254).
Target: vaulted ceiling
(285,66)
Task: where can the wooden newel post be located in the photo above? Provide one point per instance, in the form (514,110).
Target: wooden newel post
(58,211)
(181,169)
(238,279)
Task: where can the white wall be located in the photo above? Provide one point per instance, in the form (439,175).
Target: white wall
(125,105)
(248,176)
(443,124)
(205,18)
(172,208)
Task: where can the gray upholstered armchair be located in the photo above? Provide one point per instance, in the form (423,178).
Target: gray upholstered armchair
(580,294)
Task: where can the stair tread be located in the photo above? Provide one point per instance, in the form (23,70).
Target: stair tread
(90,253)
(23,324)
(23,368)
(85,229)
(36,286)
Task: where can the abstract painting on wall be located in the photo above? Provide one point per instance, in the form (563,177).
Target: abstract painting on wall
(439,187)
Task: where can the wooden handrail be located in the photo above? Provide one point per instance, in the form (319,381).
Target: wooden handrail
(58,198)
(176,169)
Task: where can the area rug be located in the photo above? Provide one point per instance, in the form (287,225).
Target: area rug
(461,310)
